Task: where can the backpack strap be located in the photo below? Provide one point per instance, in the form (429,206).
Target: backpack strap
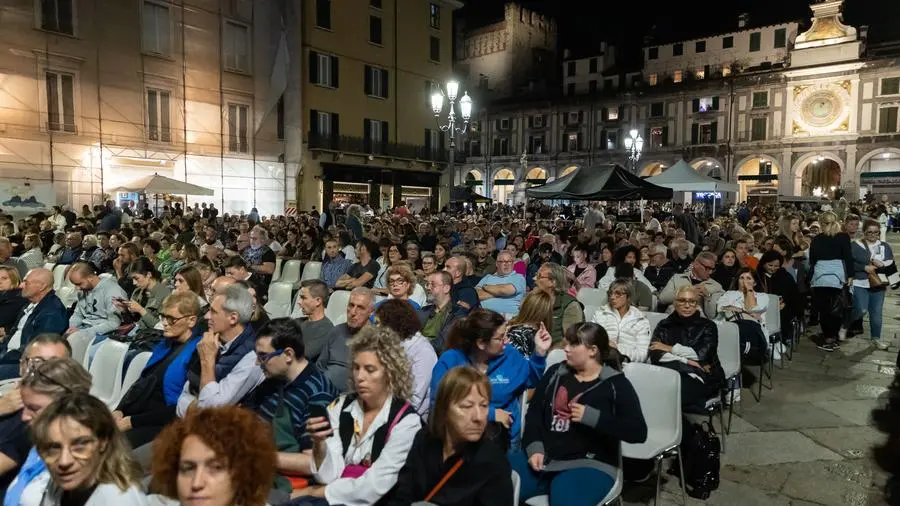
(396,420)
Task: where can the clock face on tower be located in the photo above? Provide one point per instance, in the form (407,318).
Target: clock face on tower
(821,108)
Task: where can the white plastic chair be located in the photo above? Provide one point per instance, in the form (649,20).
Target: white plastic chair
(773,327)
(337,306)
(296,310)
(659,392)
(290,273)
(106,370)
(49,266)
(135,368)
(7,385)
(276,275)
(590,296)
(516,483)
(543,500)
(80,341)
(729,352)
(59,276)
(279,304)
(654,319)
(68,295)
(312,270)
(589,312)
(554,357)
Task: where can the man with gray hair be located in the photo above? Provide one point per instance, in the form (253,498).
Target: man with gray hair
(698,274)
(335,358)
(223,369)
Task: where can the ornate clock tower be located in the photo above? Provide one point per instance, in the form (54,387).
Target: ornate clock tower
(822,88)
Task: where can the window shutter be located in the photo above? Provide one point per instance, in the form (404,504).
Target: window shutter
(496,149)
(665,136)
(603,139)
(335,125)
(313,67)
(580,146)
(563,142)
(427,140)
(715,104)
(530,121)
(334,71)
(545,120)
(581,116)
(714,131)
(621,113)
(384,82)
(367,79)
(496,124)
(605,114)
(313,122)
(695,133)
(385,132)
(696,106)
(367,130)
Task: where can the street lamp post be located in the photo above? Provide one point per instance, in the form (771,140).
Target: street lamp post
(634,144)
(465,110)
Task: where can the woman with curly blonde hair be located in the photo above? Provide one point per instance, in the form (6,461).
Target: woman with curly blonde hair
(225,454)
(359,448)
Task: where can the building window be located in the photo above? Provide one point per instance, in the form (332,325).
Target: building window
(375,30)
(592,66)
(612,139)
(726,70)
(434,16)
(706,104)
(572,143)
(700,46)
(571,69)
(700,74)
(323,69)
(657,137)
(375,3)
(323,125)
(238,128)
(433,142)
(474,147)
(612,114)
(657,109)
(887,120)
(60,102)
(58,16)
(158,123)
(677,49)
(376,82)
(592,86)
(652,79)
(570,89)
(653,53)
(609,84)
(536,144)
(703,133)
(237,47)
(781,37)
(758,129)
(677,76)
(323,14)
(376,135)
(890,86)
(760,99)
(755,41)
(435,49)
(727,42)
(155,28)
(500,147)
(483,82)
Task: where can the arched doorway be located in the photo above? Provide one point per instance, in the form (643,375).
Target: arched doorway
(653,169)
(568,170)
(758,179)
(536,177)
(879,173)
(706,166)
(503,185)
(818,176)
(474,179)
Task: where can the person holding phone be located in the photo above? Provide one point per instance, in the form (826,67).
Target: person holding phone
(362,441)
(480,341)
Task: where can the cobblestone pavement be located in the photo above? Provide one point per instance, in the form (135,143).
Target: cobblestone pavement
(809,440)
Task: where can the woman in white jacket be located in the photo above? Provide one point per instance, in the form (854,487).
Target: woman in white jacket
(628,328)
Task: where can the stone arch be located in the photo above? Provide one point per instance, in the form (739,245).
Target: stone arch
(568,170)
(875,153)
(745,168)
(705,164)
(536,174)
(879,160)
(803,163)
(496,170)
(653,168)
(473,178)
(503,193)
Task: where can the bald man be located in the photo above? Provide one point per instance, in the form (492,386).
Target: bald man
(45,313)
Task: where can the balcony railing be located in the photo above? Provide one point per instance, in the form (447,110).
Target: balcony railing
(346,144)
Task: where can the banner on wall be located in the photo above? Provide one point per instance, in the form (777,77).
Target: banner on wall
(26,197)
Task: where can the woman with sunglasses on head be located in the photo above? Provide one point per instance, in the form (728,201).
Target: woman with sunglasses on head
(873,261)
(89,460)
(150,402)
(40,387)
(627,327)
(580,413)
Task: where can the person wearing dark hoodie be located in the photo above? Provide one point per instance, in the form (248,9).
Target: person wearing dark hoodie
(775,280)
(580,413)
(453,460)
(479,340)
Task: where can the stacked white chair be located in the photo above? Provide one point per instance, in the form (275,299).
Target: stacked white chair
(135,368)
(106,370)
(590,296)
(729,352)
(277,273)
(659,392)
(312,270)
(59,276)
(554,357)
(589,312)
(80,341)
(654,319)
(290,273)
(336,310)
(279,303)
(296,310)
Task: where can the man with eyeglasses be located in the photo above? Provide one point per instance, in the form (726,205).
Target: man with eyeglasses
(502,291)
(697,275)
(462,293)
(438,316)
(14,441)
(291,386)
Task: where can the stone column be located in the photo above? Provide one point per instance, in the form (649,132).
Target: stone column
(849,177)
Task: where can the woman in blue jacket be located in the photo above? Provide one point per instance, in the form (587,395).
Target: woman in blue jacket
(479,340)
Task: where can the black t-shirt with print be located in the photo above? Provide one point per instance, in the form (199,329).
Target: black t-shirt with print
(567,438)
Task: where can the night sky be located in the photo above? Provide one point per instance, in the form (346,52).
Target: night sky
(583,23)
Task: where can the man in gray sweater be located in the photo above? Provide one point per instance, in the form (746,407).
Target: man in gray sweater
(335,358)
(94,310)
(316,327)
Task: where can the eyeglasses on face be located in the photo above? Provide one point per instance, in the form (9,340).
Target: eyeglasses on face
(619,293)
(80,449)
(262,358)
(687,302)
(168,319)
(397,281)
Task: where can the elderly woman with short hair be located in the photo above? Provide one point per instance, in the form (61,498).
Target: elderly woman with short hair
(567,311)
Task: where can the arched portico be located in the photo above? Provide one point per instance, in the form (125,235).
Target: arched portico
(757,176)
(817,173)
(706,165)
(878,171)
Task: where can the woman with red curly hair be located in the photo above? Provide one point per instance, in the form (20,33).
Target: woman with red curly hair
(218,457)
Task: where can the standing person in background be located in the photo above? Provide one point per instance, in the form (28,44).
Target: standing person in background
(871,260)
(354,222)
(831,261)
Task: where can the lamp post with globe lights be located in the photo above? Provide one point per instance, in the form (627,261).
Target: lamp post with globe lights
(634,144)
(465,112)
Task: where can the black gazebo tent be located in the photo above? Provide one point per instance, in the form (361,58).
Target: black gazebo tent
(466,194)
(600,182)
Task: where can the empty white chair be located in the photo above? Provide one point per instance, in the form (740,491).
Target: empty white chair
(555,356)
(290,273)
(590,296)
(654,319)
(279,304)
(106,370)
(68,295)
(729,352)
(59,276)
(589,312)
(296,310)
(516,483)
(80,341)
(135,368)
(337,306)
(277,273)
(312,270)
(659,392)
